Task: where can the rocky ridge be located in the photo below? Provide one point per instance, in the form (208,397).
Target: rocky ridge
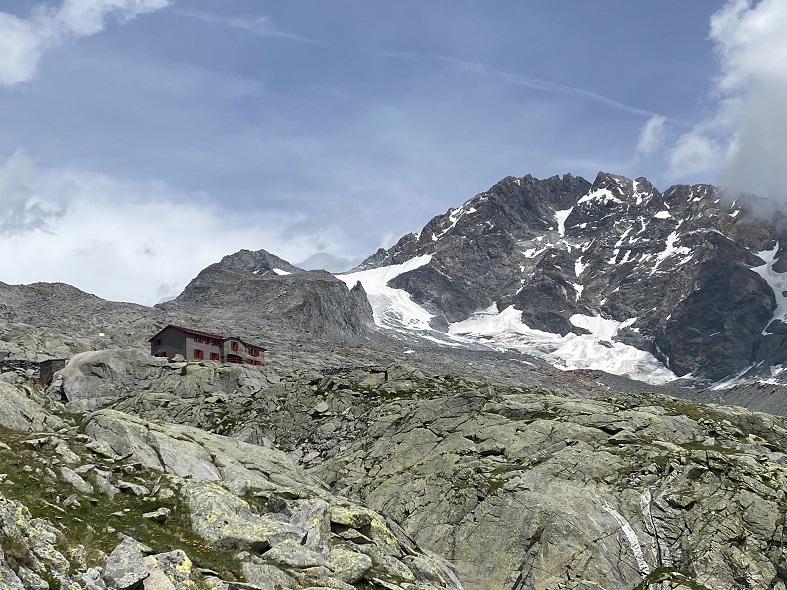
(692,280)
(241,295)
(252,293)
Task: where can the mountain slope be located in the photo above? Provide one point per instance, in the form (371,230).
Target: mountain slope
(254,293)
(562,265)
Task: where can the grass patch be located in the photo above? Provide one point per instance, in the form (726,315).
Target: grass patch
(665,574)
(96,521)
(699,446)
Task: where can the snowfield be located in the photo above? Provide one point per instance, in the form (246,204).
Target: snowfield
(395,310)
(595,351)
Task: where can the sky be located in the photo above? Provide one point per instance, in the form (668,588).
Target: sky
(143,140)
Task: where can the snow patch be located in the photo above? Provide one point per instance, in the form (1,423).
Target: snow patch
(453,219)
(670,250)
(505,330)
(663,215)
(623,237)
(533,252)
(561,217)
(579,267)
(281,272)
(777,282)
(392,308)
(601,196)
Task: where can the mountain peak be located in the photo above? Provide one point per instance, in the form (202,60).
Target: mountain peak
(613,265)
(257,262)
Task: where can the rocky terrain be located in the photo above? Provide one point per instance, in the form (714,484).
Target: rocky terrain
(408,430)
(240,295)
(113,501)
(513,486)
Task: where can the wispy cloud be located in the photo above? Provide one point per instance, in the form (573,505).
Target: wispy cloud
(260,25)
(520,80)
(24,41)
(545,85)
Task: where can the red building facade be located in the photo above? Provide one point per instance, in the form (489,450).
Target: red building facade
(197,345)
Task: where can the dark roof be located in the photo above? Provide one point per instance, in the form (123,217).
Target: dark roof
(208,335)
(187,331)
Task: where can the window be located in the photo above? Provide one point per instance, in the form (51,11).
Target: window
(158,342)
(254,352)
(199,354)
(249,362)
(161,354)
(234,345)
(214,356)
(257,363)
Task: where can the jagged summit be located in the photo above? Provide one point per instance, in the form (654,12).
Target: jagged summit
(550,264)
(257,262)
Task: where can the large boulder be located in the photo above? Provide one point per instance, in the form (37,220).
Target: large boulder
(93,379)
(19,412)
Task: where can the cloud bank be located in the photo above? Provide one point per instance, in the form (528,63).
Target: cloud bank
(744,140)
(24,41)
(128,240)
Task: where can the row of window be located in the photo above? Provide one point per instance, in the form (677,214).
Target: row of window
(213,342)
(214,356)
(200,354)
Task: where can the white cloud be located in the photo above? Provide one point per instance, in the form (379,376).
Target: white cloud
(744,141)
(22,208)
(23,41)
(651,135)
(126,240)
(694,153)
